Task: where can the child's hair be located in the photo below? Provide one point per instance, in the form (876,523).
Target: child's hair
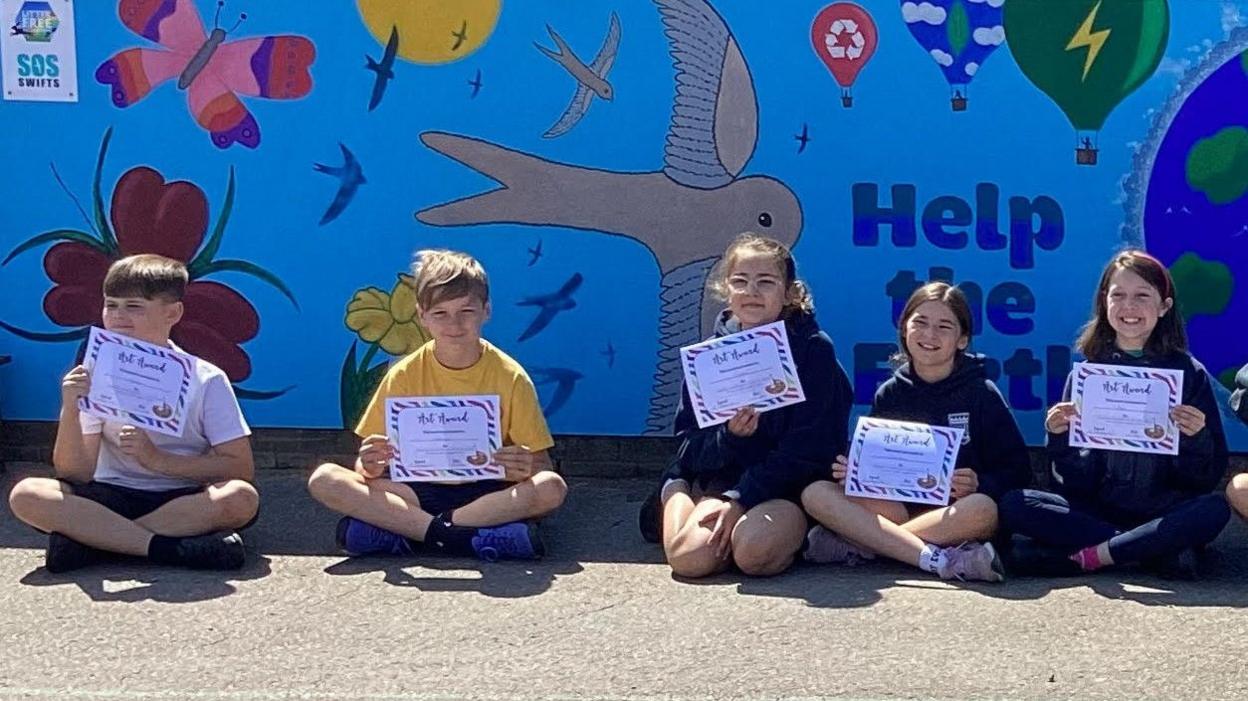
(797,295)
(442,275)
(146,275)
(1097,338)
(946,294)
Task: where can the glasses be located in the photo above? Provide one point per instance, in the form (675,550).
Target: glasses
(741,285)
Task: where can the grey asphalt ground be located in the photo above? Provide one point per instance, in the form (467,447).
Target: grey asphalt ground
(601,617)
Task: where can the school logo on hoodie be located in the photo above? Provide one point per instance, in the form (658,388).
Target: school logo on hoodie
(962,420)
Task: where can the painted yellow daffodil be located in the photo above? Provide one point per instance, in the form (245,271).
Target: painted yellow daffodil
(388,318)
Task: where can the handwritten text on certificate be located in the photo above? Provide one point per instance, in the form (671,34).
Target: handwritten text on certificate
(1125,408)
(444,439)
(750,368)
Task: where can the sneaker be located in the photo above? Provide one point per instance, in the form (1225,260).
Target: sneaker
(357,538)
(650,517)
(977,562)
(66,554)
(513,541)
(1184,565)
(824,547)
(1027,558)
(215,551)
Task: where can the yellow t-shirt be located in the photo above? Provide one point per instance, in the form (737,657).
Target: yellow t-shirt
(421,375)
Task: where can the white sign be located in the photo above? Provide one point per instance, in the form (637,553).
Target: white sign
(38,50)
(444,439)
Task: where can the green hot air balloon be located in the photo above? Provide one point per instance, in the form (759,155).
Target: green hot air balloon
(1087,55)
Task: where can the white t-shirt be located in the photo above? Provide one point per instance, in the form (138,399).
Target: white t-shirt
(213,417)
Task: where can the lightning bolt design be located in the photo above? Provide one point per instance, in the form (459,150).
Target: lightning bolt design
(1094,41)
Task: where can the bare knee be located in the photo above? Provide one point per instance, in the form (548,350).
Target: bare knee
(32,497)
(327,481)
(760,554)
(978,512)
(694,562)
(1237,494)
(236,502)
(551,491)
(818,496)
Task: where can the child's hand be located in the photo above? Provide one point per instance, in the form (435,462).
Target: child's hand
(75,384)
(375,455)
(518,461)
(1058,418)
(135,442)
(1190,419)
(965,482)
(744,423)
(722,520)
(839,468)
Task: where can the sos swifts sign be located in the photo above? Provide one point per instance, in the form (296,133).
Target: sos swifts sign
(38,49)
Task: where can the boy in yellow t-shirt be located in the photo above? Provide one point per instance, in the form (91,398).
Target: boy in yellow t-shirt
(489,519)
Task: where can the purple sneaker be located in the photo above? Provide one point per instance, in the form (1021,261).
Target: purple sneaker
(358,537)
(512,541)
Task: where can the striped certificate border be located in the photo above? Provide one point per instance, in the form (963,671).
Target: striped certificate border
(172,414)
(1171,382)
(934,487)
(773,333)
(404,468)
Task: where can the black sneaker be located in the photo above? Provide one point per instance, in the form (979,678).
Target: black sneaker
(1184,565)
(215,551)
(66,554)
(1028,558)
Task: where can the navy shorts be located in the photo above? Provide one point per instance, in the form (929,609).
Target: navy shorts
(437,499)
(130,503)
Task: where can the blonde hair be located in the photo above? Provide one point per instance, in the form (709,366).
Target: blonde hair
(797,294)
(443,274)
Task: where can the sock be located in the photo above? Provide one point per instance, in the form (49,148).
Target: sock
(1088,559)
(932,559)
(163,550)
(670,487)
(447,538)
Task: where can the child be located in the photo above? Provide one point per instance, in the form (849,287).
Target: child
(937,383)
(731,493)
(120,489)
(1116,507)
(1237,490)
(489,519)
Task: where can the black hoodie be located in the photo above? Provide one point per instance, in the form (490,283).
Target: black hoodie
(992,445)
(1239,400)
(1130,488)
(794,445)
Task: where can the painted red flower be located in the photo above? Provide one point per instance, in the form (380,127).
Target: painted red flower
(151,216)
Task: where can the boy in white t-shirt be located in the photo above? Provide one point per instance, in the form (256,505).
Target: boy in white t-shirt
(120,489)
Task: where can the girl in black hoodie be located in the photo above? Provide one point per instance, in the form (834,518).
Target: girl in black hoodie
(730,496)
(1116,507)
(938,383)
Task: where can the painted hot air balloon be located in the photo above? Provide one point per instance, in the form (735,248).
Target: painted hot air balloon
(1087,55)
(959,35)
(844,37)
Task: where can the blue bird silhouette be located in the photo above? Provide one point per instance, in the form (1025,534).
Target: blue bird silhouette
(350,177)
(535,254)
(476,84)
(564,380)
(551,305)
(384,69)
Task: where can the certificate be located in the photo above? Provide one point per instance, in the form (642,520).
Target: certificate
(1125,408)
(902,461)
(138,383)
(444,439)
(750,368)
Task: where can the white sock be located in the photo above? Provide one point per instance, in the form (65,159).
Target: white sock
(932,559)
(670,487)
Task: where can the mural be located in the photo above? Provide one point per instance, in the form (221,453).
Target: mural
(598,175)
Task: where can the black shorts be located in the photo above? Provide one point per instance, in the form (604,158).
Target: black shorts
(130,503)
(437,499)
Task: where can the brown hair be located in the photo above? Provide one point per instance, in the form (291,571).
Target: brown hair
(797,295)
(1096,339)
(946,294)
(146,275)
(442,275)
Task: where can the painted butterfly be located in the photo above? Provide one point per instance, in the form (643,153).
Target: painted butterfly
(212,71)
